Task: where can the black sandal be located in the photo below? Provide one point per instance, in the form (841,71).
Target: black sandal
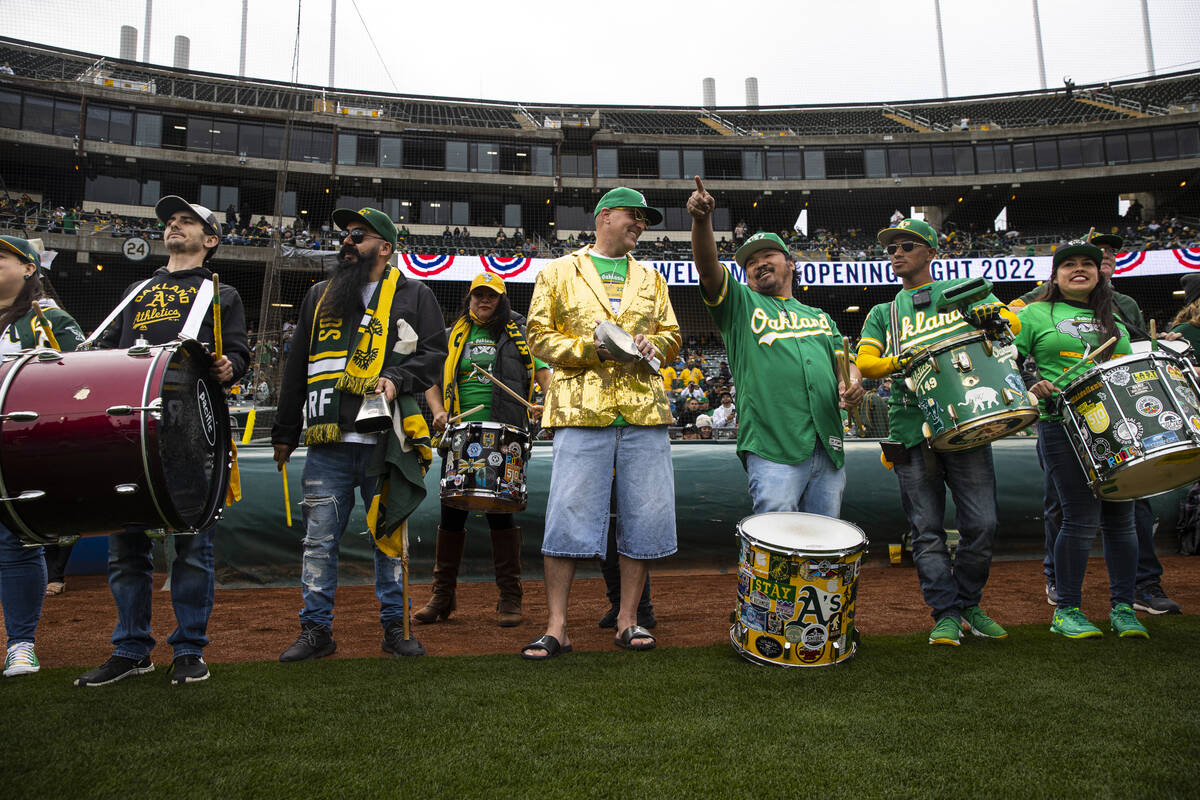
(547,644)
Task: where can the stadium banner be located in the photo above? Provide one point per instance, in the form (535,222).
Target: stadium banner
(997,269)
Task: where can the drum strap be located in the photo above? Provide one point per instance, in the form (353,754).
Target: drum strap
(895,323)
(200,305)
(116,312)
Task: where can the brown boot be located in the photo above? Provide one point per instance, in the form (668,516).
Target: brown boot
(506,554)
(448,553)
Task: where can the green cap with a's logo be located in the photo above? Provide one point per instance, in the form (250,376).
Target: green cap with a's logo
(22,249)
(759,241)
(917,227)
(1111,239)
(1077,247)
(373,218)
(623,197)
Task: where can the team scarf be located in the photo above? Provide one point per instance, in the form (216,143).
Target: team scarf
(401,463)
(331,366)
(458,342)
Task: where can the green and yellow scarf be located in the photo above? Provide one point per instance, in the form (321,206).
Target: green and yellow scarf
(400,461)
(458,342)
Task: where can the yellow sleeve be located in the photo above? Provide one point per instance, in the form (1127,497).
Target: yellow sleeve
(871,363)
(1014,322)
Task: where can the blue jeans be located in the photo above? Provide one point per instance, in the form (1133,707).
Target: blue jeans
(22,587)
(814,486)
(1082,516)
(331,474)
(950,588)
(131,580)
(588,463)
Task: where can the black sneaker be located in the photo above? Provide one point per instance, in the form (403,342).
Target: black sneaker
(113,670)
(645,617)
(1153,600)
(313,642)
(609,620)
(188,669)
(395,643)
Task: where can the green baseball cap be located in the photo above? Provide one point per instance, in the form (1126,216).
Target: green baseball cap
(1077,247)
(760,241)
(622,197)
(1111,239)
(919,228)
(22,249)
(373,218)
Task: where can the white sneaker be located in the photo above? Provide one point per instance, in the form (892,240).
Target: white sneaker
(20,660)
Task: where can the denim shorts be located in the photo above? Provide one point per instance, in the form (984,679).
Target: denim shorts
(589,465)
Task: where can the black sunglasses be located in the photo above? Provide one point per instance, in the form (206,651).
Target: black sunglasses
(905,246)
(358,234)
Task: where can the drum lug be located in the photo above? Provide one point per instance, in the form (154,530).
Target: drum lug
(933,362)
(910,384)
(962,361)
(28,494)
(987,347)
(19,416)
(125,411)
(926,430)
(1007,394)
(126,488)
(952,413)
(49,355)
(1033,399)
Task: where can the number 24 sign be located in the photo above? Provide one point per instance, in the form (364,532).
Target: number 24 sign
(136,248)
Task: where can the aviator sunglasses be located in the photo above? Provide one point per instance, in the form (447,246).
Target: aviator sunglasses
(358,234)
(905,246)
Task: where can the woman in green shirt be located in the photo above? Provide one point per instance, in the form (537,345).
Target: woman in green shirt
(489,335)
(1069,319)
(1187,321)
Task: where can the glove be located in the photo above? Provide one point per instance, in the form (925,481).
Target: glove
(986,316)
(907,357)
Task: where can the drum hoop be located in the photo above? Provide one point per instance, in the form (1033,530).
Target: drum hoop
(21,361)
(840,552)
(144,426)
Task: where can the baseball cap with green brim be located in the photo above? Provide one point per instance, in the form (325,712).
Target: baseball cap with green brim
(1111,239)
(623,197)
(373,218)
(173,204)
(1077,247)
(759,241)
(22,249)
(916,227)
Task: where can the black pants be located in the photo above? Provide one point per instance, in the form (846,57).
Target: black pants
(57,556)
(455,519)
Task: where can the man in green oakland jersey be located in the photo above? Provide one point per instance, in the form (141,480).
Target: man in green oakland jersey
(913,321)
(783,356)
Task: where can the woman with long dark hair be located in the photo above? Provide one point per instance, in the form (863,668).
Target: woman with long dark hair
(489,335)
(1067,322)
(22,569)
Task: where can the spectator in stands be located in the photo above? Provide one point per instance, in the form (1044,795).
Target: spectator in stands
(723,372)
(403,232)
(230,217)
(668,375)
(691,432)
(5,69)
(691,410)
(1187,321)
(783,355)
(739,232)
(500,236)
(704,425)
(446,234)
(692,392)
(457,234)
(725,415)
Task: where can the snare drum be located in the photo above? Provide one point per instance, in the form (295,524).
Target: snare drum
(970,391)
(483,466)
(797,586)
(1134,423)
(96,442)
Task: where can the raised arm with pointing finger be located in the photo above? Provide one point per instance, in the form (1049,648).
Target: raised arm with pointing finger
(704,242)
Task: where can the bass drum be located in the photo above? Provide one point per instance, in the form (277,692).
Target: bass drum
(96,442)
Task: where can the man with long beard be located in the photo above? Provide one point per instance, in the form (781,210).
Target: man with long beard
(366,330)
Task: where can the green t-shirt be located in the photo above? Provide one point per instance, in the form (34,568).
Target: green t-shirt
(612,275)
(918,328)
(781,353)
(1056,334)
(480,348)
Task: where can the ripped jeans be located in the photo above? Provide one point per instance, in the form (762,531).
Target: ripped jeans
(331,474)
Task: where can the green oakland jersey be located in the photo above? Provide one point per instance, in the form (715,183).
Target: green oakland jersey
(919,327)
(781,353)
(1057,334)
(612,275)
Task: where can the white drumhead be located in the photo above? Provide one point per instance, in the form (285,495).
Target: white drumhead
(794,531)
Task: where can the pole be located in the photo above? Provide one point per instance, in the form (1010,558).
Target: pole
(1146,36)
(1037,38)
(245,28)
(937,10)
(146,32)
(332,38)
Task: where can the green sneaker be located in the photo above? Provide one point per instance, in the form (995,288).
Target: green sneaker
(1071,623)
(1125,623)
(945,632)
(980,624)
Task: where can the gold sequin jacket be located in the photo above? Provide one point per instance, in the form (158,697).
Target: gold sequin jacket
(567,300)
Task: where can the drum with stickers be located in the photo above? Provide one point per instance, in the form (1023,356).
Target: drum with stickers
(797,587)
(1134,422)
(970,391)
(483,466)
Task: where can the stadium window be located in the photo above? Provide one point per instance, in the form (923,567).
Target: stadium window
(288,207)
(391,151)
(964,159)
(428,154)
(224,137)
(1069,154)
(1091,149)
(460,213)
(752,165)
(347,152)
(1116,148)
(396,209)
(147,129)
(484,156)
(720,220)
(151,192)
(174,132)
(844,164)
(96,124)
(250,140)
(606,162)
(693,163)
(66,118)
(1046,153)
(321,146)
(668,164)
(1166,146)
(574,218)
(209,197)
(875,163)
(10,109)
(515,160)
(272,143)
(367,151)
(985,159)
(922,163)
(1023,157)
(673,219)
(456,158)
(227,196)
(512,215)
(723,163)
(1140,147)
(1189,142)
(577,166)
(1003,154)
(543,160)
(898,162)
(814,165)
(943,160)
(637,162)
(120,127)
(435,212)
(39,114)
(199,135)
(107,189)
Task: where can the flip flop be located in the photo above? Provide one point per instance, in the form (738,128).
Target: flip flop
(626,637)
(547,644)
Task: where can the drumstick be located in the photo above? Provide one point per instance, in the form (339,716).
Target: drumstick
(844,364)
(466,413)
(287,502)
(217,343)
(496,381)
(1070,373)
(406,623)
(1153,336)
(37,309)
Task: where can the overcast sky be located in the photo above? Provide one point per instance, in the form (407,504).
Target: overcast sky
(801,51)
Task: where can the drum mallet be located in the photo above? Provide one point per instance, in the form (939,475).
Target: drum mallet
(287,500)
(45,323)
(485,374)
(218,344)
(844,364)
(1153,336)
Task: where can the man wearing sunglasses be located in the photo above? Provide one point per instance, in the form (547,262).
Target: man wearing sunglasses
(783,355)
(367,330)
(610,417)
(902,328)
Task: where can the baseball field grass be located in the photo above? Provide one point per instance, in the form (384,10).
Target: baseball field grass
(1030,716)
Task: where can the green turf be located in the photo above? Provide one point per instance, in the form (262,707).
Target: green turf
(1030,716)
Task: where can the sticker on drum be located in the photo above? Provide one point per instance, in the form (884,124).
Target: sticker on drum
(1160,440)
(494,459)
(768,648)
(1119,376)
(814,637)
(811,656)
(753,618)
(1174,373)
(1170,420)
(1138,389)
(774,626)
(818,569)
(489,439)
(514,449)
(474,449)
(933,414)
(1186,395)
(780,569)
(1128,430)
(793,632)
(460,439)
(1149,406)
(759,600)
(743,583)
(785,609)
